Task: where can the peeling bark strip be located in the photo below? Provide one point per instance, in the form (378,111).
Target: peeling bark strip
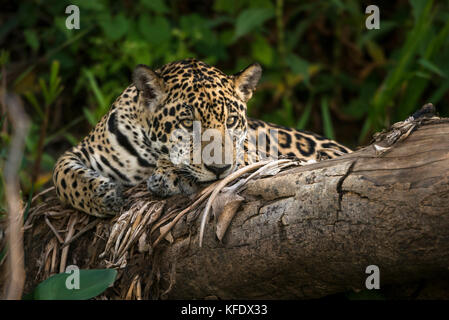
(305,233)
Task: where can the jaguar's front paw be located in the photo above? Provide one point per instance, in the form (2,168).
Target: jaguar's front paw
(113,200)
(108,199)
(162,186)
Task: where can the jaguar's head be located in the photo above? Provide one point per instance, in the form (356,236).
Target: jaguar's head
(197,115)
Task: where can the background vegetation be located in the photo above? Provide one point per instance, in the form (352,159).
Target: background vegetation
(323,70)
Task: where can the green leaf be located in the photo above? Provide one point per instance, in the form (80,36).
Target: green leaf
(114,28)
(54,84)
(54,73)
(372,35)
(418,84)
(327,122)
(417,8)
(45,90)
(196,27)
(155,30)
(286,112)
(298,66)
(90,117)
(94,86)
(31,39)
(359,107)
(228,6)
(91,284)
(384,96)
(294,36)
(431,67)
(4,57)
(74,141)
(157,6)
(250,19)
(376,52)
(63,131)
(302,122)
(33,101)
(366,129)
(262,51)
(338,5)
(439,93)
(423,75)
(89,5)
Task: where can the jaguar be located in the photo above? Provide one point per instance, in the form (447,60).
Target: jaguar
(142,138)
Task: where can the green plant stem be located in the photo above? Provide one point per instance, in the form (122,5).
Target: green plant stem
(40,146)
(281,34)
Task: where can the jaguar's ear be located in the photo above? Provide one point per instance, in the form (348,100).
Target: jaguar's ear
(245,81)
(150,85)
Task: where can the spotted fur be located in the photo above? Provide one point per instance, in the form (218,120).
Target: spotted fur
(131,143)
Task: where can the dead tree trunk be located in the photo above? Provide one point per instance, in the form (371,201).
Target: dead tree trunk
(306,232)
(312,231)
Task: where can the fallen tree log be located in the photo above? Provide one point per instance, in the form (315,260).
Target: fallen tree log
(306,232)
(312,231)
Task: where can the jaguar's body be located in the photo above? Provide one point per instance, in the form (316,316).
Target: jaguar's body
(136,140)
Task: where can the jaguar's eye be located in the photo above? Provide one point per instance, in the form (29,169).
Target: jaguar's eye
(187,123)
(232,120)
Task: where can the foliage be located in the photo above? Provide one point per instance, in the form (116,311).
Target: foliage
(323,70)
(91,284)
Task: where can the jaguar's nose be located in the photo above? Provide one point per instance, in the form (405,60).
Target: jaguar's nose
(217,169)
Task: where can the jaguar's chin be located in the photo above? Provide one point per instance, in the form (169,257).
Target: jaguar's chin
(200,174)
(208,177)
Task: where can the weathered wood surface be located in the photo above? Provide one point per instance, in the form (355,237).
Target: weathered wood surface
(312,231)
(305,233)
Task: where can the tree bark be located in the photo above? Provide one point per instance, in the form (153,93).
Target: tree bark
(306,232)
(312,231)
